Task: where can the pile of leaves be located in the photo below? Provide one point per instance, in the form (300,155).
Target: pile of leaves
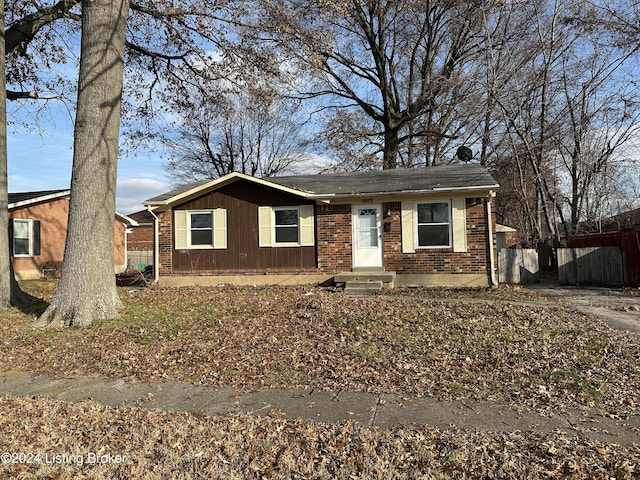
(536,356)
(86,440)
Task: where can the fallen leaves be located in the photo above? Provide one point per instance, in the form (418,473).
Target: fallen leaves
(536,356)
(155,444)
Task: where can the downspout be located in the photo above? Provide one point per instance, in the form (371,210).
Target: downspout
(156,249)
(127,231)
(492,268)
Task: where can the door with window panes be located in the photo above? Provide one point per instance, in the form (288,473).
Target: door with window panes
(367,235)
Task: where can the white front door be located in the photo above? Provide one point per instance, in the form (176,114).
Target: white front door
(367,235)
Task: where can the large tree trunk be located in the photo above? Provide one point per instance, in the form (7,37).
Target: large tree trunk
(10,291)
(87,289)
(5,259)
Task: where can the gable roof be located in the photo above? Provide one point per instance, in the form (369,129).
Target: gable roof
(143,217)
(29,198)
(23,199)
(446,178)
(190,190)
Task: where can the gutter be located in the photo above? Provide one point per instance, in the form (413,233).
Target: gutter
(492,268)
(156,249)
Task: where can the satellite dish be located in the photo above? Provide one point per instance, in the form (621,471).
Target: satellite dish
(464,153)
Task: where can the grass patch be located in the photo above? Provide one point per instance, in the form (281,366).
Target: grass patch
(310,337)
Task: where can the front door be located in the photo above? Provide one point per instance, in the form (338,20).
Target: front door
(367,235)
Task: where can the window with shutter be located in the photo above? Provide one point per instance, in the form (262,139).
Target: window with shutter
(200,229)
(286,226)
(22,237)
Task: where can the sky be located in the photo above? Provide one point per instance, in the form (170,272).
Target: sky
(41,160)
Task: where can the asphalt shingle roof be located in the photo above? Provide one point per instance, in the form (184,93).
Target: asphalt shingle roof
(446,177)
(26,196)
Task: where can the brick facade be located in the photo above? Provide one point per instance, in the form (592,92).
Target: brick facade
(53,216)
(165,242)
(140,238)
(333,237)
(439,260)
(334,240)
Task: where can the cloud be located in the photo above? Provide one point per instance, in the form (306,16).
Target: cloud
(131,192)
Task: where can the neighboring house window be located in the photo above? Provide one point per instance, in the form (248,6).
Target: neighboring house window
(200,229)
(290,226)
(434,224)
(25,237)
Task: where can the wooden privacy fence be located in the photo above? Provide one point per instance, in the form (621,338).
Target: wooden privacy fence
(628,242)
(518,265)
(590,266)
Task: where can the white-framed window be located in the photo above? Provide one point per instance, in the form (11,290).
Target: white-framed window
(433,226)
(22,237)
(200,229)
(286,226)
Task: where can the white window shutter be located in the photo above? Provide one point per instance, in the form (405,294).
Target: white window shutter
(265,226)
(408,227)
(180,229)
(459,220)
(307,232)
(220,228)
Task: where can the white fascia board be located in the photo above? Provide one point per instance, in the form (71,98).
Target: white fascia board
(328,197)
(219,182)
(43,198)
(127,220)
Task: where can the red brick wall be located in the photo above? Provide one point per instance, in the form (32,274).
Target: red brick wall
(53,231)
(438,260)
(53,216)
(334,241)
(165,242)
(333,237)
(140,238)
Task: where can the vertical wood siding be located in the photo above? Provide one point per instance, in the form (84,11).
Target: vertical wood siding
(241,201)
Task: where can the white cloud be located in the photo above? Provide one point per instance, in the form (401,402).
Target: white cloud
(131,192)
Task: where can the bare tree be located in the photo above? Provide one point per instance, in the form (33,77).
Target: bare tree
(399,64)
(87,289)
(255,132)
(599,121)
(162,33)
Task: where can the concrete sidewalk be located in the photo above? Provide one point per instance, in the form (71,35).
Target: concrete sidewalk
(382,411)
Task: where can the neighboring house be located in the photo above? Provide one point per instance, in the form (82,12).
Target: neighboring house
(506,237)
(626,221)
(140,240)
(38,230)
(427,226)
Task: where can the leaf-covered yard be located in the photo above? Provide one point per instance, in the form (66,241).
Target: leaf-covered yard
(507,345)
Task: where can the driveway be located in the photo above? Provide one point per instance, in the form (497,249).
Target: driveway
(618,308)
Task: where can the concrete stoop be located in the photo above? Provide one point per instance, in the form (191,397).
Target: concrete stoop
(367,282)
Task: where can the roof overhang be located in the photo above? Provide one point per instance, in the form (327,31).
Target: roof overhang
(219,183)
(487,189)
(40,199)
(128,221)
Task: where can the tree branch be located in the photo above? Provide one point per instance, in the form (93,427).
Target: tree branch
(23,31)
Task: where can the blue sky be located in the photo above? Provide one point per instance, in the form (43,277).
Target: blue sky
(41,160)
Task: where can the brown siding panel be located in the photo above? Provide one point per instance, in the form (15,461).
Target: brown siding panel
(241,201)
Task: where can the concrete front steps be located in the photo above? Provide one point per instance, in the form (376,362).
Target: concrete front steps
(365,282)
